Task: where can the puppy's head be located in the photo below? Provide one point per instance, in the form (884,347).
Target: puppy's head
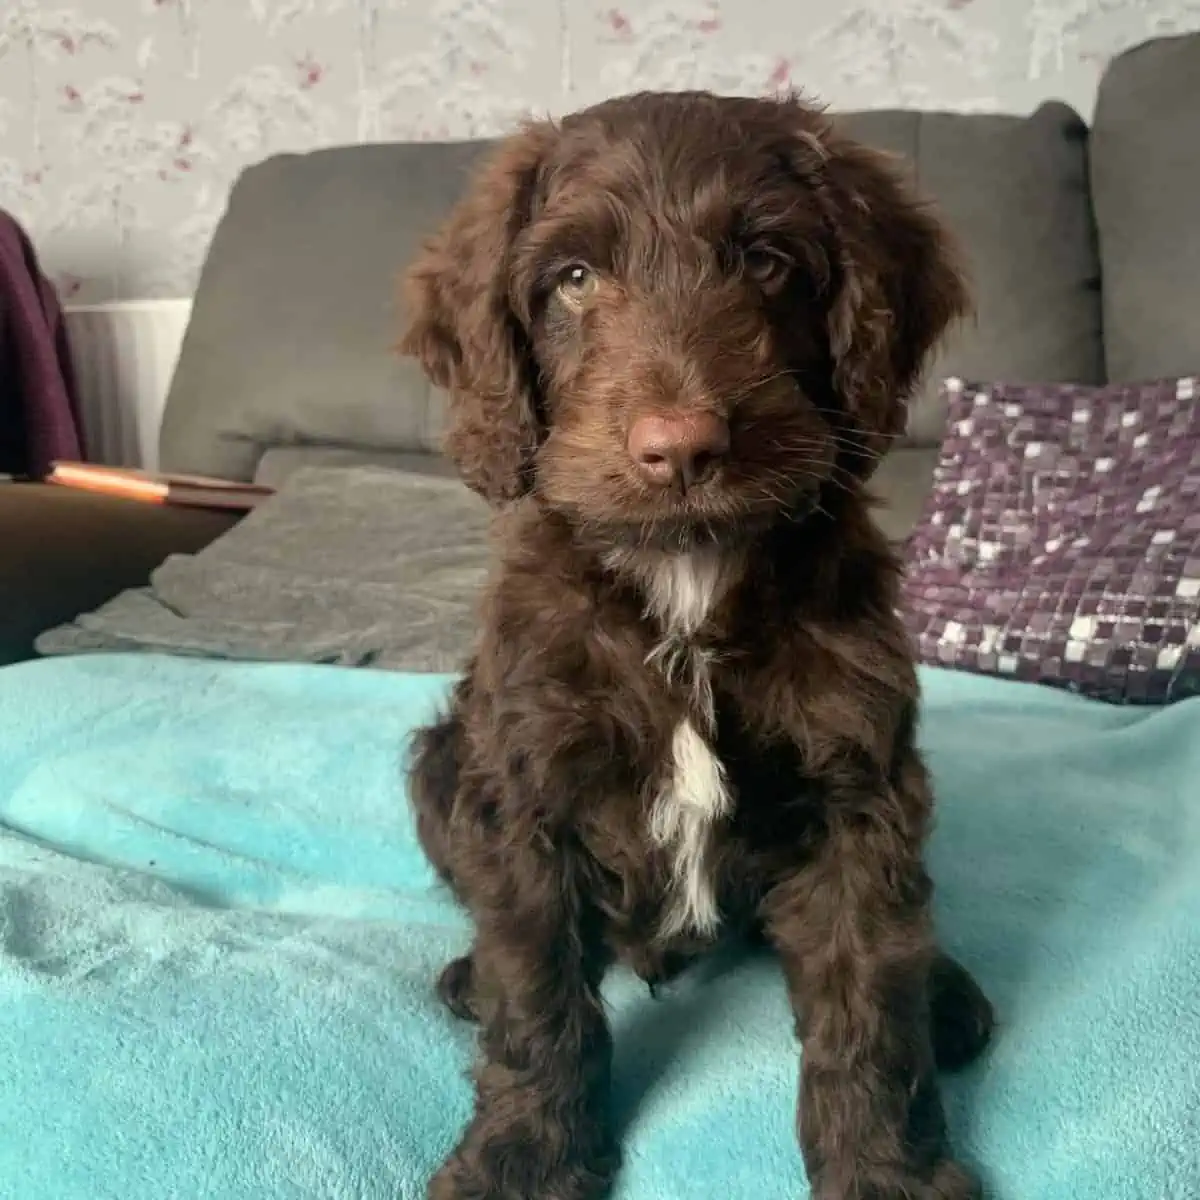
(680,315)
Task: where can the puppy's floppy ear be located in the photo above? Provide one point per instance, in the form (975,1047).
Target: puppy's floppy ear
(901,285)
(464,326)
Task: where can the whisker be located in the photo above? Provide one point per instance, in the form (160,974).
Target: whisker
(748,390)
(804,459)
(837,438)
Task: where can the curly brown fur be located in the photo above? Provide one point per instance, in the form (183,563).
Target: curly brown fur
(692,707)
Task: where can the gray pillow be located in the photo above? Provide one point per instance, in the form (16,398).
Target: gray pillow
(296,313)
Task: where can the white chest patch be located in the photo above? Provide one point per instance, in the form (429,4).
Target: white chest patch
(681,591)
(695,792)
(695,795)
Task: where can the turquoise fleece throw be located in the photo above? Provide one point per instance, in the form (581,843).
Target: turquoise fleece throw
(219,941)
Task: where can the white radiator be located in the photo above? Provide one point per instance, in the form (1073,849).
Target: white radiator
(124,355)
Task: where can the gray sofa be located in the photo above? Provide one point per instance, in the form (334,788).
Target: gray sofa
(1084,246)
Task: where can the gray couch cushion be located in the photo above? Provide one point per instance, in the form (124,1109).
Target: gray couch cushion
(280,463)
(1146,185)
(296,312)
(1015,192)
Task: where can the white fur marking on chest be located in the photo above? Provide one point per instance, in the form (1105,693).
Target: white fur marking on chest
(695,796)
(681,593)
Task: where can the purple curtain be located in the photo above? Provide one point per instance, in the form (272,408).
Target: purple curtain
(39,402)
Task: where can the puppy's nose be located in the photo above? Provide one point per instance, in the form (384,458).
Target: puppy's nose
(678,449)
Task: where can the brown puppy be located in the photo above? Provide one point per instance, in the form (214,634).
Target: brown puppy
(678,332)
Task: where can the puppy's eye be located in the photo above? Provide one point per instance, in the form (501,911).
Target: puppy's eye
(769,268)
(576,285)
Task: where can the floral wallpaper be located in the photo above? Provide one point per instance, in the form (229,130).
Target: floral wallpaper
(124,122)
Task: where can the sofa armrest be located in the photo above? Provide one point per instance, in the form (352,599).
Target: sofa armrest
(64,552)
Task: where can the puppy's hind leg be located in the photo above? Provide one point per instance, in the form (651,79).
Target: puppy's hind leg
(433,773)
(433,784)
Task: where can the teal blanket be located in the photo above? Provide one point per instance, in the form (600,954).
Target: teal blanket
(219,939)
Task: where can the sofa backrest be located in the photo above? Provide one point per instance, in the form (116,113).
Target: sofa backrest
(296,313)
(1146,191)
(1014,191)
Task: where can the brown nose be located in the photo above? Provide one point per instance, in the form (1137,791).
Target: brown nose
(678,449)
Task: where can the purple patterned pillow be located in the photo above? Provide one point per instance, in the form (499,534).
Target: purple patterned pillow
(1061,542)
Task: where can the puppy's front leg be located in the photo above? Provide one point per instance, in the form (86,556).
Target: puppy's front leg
(545,1052)
(853,929)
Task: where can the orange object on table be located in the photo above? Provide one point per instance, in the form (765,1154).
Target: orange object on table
(190,491)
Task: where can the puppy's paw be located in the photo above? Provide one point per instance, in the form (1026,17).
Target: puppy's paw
(451,1183)
(949,1181)
(961,1016)
(456,988)
(953,1182)
(504,1168)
